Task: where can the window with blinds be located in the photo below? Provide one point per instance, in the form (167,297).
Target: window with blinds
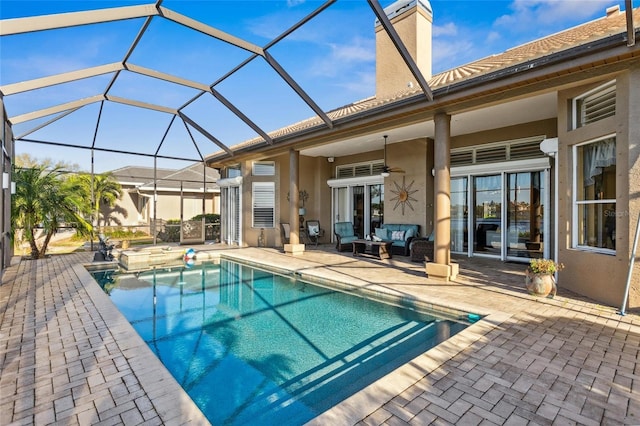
(264,168)
(595,105)
(359,170)
(264,202)
(521,149)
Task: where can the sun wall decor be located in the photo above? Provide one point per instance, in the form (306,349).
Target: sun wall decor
(403,194)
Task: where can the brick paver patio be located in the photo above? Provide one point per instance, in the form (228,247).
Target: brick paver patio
(67,356)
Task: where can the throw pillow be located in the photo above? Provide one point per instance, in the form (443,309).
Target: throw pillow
(313,230)
(382,233)
(397,235)
(409,233)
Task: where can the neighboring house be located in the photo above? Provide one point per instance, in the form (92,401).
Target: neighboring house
(180,194)
(529,153)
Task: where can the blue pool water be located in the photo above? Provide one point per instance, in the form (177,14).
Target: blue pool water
(252,347)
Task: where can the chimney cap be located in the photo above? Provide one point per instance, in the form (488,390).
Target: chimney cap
(401,6)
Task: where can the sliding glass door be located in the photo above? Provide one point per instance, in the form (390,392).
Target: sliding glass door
(459,214)
(508,217)
(487,214)
(357,192)
(361,204)
(525,219)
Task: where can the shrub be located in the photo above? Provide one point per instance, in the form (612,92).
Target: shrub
(544,266)
(208,218)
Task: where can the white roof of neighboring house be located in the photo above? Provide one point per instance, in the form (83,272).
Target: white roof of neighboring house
(191,178)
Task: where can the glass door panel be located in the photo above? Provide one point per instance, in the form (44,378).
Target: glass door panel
(376,207)
(459,215)
(341,205)
(525,206)
(487,216)
(358,210)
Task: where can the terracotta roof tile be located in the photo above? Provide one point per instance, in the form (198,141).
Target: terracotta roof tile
(573,37)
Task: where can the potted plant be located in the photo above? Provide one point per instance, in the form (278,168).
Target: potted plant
(540,277)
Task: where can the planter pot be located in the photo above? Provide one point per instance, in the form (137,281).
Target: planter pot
(543,285)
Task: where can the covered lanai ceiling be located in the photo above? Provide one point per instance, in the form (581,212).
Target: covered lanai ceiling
(165,80)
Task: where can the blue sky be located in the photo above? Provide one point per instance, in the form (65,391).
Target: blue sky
(332,58)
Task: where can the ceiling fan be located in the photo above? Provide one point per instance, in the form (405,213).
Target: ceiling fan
(386,170)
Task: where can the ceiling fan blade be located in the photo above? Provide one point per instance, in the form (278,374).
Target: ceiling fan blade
(395,170)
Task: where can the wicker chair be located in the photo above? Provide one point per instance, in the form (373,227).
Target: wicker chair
(422,250)
(345,235)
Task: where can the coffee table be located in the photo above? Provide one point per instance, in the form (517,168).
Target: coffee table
(380,249)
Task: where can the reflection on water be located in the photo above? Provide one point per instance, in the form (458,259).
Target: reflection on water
(251,347)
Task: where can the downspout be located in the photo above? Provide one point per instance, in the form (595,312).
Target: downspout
(550,148)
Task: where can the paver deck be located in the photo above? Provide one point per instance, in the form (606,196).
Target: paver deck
(67,356)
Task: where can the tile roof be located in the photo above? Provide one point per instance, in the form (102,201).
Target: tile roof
(614,23)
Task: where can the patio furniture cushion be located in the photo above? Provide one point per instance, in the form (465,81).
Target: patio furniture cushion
(314,231)
(401,235)
(382,233)
(345,235)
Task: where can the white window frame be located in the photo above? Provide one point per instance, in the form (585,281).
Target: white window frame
(263,168)
(575,110)
(575,203)
(231,210)
(266,200)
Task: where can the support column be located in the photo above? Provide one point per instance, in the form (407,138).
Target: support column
(441,267)
(294,246)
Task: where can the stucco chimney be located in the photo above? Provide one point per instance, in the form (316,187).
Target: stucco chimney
(412,20)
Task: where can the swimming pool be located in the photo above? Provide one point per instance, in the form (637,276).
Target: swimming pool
(253,347)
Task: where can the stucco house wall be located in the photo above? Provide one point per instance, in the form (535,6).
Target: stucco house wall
(599,275)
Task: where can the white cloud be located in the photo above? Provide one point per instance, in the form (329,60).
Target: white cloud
(344,56)
(293,3)
(362,84)
(493,36)
(450,53)
(449,29)
(553,14)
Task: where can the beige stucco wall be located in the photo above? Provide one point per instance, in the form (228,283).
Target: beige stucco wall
(313,175)
(392,73)
(597,275)
(126,212)
(547,128)
(415,157)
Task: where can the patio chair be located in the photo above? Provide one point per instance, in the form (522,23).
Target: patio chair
(314,232)
(284,233)
(422,249)
(345,235)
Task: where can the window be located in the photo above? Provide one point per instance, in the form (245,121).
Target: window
(489,153)
(233,171)
(595,195)
(595,105)
(263,204)
(373,168)
(264,168)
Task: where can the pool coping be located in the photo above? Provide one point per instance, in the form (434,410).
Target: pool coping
(171,401)
(170,398)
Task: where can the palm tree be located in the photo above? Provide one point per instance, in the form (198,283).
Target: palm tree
(42,200)
(106,192)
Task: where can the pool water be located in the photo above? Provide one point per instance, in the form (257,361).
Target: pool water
(252,347)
